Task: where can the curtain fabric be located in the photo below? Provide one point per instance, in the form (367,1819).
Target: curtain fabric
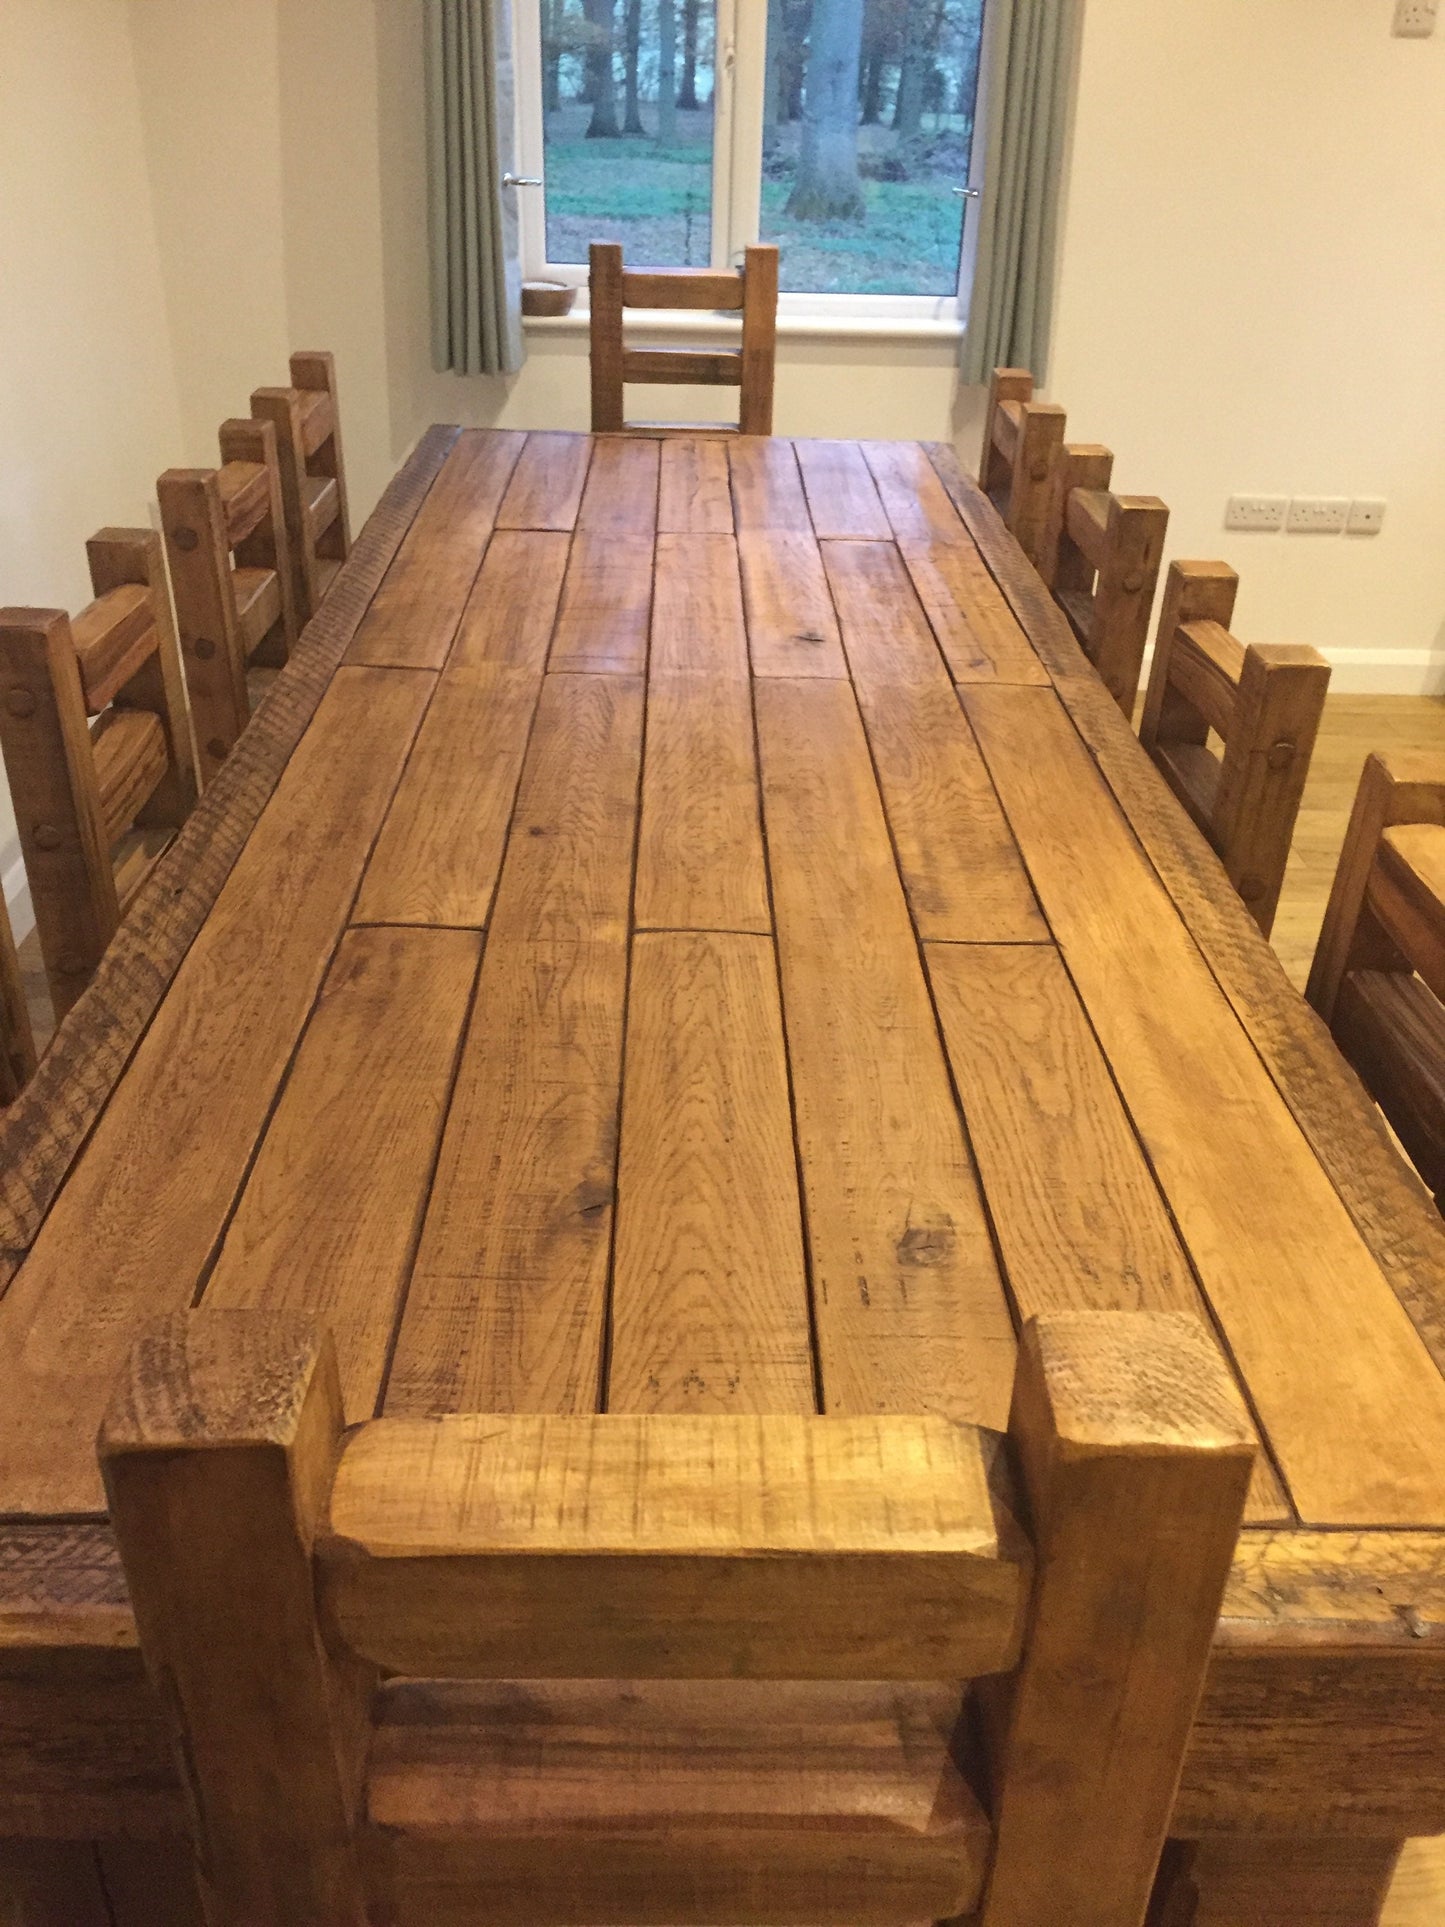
(475,266)
(1029,80)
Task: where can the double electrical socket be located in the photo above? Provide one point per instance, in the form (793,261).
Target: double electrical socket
(1415,19)
(1306,514)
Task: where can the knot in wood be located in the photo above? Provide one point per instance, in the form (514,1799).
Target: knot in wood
(204,648)
(47,837)
(1251,888)
(216,748)
(1280,757)
(185,539)
(1133,582)
(20,701)
(69,964)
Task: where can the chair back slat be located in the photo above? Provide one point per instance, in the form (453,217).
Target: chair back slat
(230,563)
(753,289)
(307,419)
(1265,702)
(278,1563)
(17,1034)
(78,788)
(1022,442)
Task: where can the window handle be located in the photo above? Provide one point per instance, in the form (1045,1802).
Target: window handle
(969,193)
(521,180)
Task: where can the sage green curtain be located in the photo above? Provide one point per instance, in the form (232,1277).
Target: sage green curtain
(1018,166)
(476,280)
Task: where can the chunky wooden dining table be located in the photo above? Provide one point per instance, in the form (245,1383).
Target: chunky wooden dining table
(689,932)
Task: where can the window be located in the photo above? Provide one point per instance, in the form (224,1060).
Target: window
(841,129)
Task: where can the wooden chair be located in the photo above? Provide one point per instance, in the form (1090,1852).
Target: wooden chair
(1022,442)
(231,571)
(1265,703)
(307,420)
(321,1610)
(79,786)
(17,1036)
(1379,969)
(753,290)
(1101,555)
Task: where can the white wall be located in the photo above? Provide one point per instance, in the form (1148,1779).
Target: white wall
(1252,299)
(88,407)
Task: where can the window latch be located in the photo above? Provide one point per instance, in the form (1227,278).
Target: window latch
(521,180)
(969,193)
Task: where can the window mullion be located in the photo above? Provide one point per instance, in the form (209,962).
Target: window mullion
(749,25)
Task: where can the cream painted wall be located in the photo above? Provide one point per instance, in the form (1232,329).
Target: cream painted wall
(1252,299)
(88,405)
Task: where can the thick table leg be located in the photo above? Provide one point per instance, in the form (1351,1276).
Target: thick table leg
(1251,1880)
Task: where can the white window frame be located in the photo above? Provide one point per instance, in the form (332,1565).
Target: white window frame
(736,189)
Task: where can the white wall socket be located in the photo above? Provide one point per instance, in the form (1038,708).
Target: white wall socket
(1258,512)
(1367,516)
(1415,19)
(1318,515)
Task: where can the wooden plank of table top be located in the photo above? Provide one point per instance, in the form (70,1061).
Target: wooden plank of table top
(767,488)
(416,611)
(910,1310)
(886,636)
(914,499)
(606,603)
(965,880)
(1079,1220)
(1353,1405)
(709,1291)
(440,850)
(509,615)
(693,495)
(568,866)
(133,1229)
(700,851)
(841,496)
(332,1208)
(977,631)
(697,608)
(507,1300)
(1395,1214)
(792,630)
(545,491)
(620,497)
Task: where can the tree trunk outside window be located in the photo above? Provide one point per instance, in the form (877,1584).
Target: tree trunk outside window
(687,93)
(601,83)
(827,187)
(666,73)
(632,48)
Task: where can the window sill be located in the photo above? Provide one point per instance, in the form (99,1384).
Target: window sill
(795,327)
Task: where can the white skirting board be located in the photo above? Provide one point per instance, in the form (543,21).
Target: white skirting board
(1356,672)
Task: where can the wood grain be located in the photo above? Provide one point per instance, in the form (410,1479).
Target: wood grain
(719,1546)
(144,1209)
(697,608)
(416,611)
(509,615)
(792,630)
(1079,1220)
(1352,1403)
(841,497)
(885,635)
(331,1211)
(693,496)
(700,863)
(620,497)
(910,1311)
(653,1803)
(980,638)
(439,854)
(767,488)
(709,1291)
(913,497)
(606,604)
(545,491)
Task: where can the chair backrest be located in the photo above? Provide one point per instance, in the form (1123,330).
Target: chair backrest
(1264,702)
(79,786)
(751,290)
(1378,976)
(1022,441)
(1101,555)
(230,564)
(307,420)
(17,1036)
(280,1566)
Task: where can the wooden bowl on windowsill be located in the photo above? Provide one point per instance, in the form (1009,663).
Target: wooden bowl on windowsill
(547,297)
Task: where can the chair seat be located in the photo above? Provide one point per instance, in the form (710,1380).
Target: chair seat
(596,1804)
(258,604)
(131,757)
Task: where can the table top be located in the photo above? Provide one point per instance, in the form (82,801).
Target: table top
(688,931)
